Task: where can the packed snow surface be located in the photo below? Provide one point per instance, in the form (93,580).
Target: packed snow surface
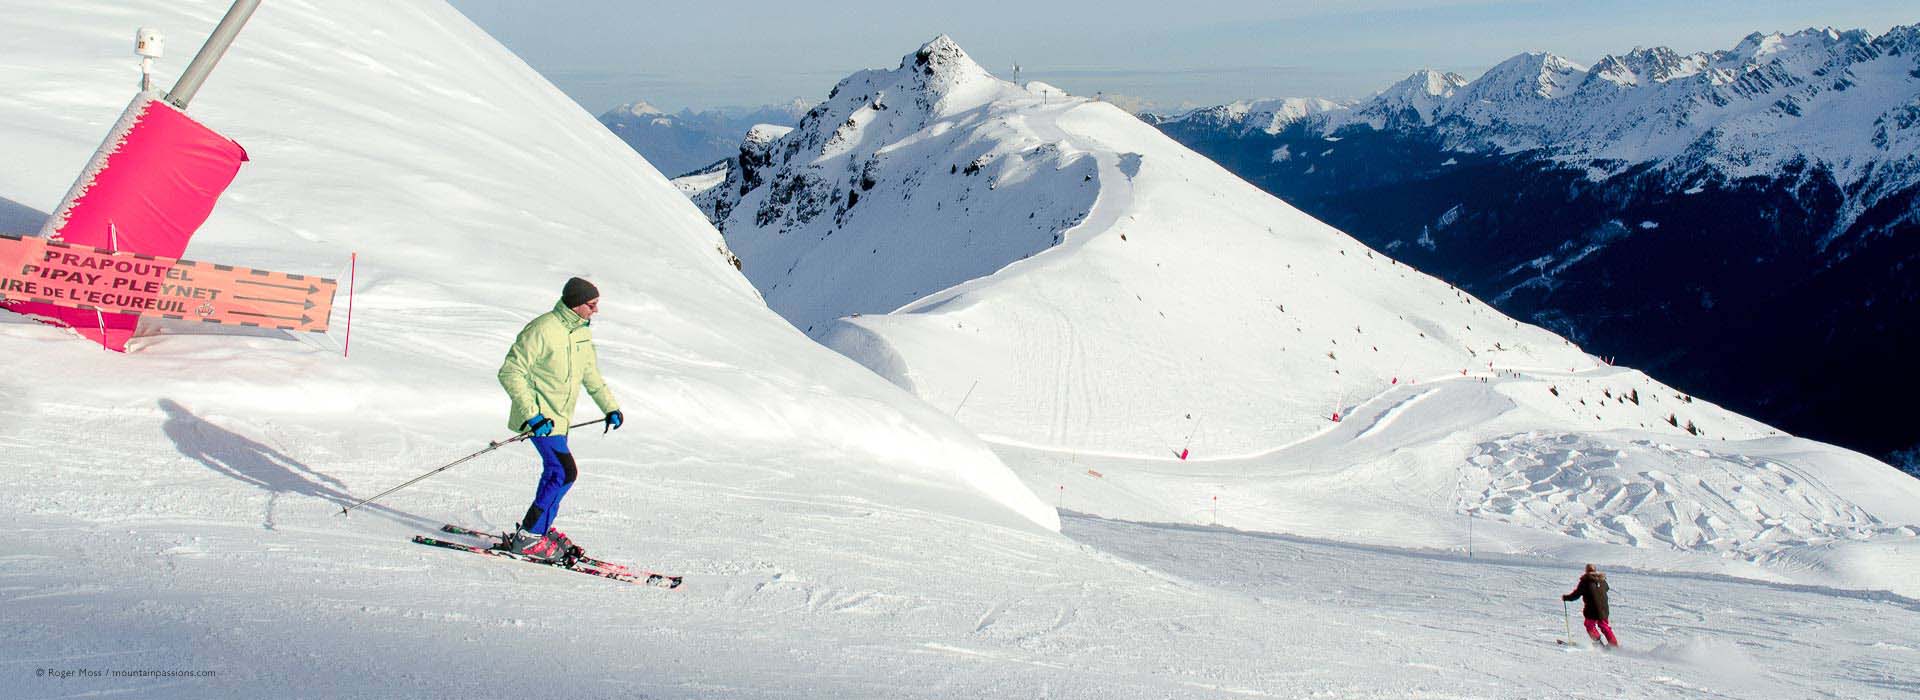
(176,508)
(475,222)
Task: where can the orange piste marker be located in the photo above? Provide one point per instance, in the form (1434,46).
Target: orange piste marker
(34,269)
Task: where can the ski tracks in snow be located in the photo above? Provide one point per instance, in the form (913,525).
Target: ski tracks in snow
(1385,419)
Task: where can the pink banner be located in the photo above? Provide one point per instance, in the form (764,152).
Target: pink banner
(149,187)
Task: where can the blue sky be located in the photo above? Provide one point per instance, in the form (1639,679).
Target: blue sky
(1165,54)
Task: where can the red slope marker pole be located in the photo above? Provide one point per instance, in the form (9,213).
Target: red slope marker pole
(113,243)
(353,270)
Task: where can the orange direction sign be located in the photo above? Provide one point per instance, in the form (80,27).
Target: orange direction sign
(84,277)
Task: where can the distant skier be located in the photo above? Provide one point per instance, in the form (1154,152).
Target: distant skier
(548,364)
(1593,587)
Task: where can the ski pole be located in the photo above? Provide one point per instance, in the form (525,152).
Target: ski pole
(1566,616)
(491,446)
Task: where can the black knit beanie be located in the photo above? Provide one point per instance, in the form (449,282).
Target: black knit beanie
(577,292)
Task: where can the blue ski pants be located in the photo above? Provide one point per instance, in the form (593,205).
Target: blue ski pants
(557,472)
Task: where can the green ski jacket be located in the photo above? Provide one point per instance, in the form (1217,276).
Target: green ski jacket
(549,362)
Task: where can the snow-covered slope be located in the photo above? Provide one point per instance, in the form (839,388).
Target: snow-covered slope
(1185,311)
(478,222)
(174,509)
(1162,286)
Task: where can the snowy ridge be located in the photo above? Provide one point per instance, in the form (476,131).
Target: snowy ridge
(1185,311)
(1270,116)
(1527,83)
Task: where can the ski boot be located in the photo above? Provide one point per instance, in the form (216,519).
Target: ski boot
(565,545)
(532,546)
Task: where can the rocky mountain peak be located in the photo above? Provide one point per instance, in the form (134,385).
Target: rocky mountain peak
(1528,76)
(1413,100)
(941,65)
(1900,41)
(639,108)
(1427,82)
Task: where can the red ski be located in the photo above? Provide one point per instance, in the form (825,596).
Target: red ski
(578,563)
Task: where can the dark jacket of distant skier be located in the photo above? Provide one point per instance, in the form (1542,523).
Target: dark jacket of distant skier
(1592,588)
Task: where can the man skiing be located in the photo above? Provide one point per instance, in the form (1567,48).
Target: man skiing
(548,364)
(1593,588)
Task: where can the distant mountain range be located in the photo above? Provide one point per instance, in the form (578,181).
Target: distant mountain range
(1743,223)
(678,143)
